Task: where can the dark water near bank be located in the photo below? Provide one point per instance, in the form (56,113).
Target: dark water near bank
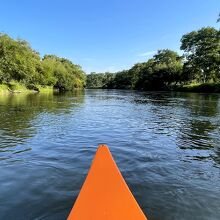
(167,146)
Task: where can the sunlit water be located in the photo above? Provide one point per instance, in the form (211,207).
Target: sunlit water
(167,146)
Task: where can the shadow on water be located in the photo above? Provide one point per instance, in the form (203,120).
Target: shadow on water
(20,111)
(194,117)
(201,127)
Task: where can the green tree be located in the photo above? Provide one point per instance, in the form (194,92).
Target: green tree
(160,72)
(18,60)
(167,66)
(202,49)
(62,73)
(122,80)
(95,80)
(134,74)
(100,80)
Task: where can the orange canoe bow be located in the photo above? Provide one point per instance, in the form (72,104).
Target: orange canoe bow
(105,194)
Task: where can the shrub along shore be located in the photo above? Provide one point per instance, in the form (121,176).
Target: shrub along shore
(200,87)
(16,88)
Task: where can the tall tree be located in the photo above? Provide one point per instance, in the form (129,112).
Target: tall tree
(202,53)
(18,60)
(164,69)
(62,73)
(168,66)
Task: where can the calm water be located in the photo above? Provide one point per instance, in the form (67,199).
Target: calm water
(167,146)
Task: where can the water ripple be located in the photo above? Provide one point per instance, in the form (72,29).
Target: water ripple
(165,144)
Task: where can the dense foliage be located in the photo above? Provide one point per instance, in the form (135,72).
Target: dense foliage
(200,63)
(202,53)
(99,80)
(19,62)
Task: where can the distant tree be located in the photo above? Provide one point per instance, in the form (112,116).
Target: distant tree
(218,20)
(108,80)
(145,73)
(95,80)
(123,80)
(100,80)
(163,70)
(202,49)
(167,66)
(62,73)
(134,74)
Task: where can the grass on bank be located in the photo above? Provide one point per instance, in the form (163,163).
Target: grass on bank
(4,89)
(45,89)
(15,87)
(210,87)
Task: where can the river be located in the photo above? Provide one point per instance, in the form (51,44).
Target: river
(166,144)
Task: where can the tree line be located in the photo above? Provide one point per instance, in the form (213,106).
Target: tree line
(200,63)
(20,63)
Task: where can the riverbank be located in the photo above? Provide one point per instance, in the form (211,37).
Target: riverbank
(199,87)
(15,88)
(193,87)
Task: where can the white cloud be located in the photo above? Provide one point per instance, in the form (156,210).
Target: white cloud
(148,53)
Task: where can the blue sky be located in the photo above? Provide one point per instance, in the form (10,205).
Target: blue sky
(105,35)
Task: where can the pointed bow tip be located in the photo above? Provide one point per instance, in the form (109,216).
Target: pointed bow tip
(103,147)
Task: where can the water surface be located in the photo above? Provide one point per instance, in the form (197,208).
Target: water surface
(167,146)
